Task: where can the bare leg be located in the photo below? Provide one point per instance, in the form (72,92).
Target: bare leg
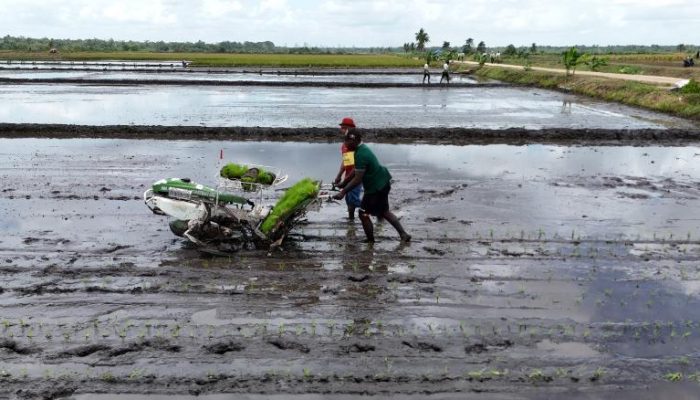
(351,212)
(394,221)
(367,226)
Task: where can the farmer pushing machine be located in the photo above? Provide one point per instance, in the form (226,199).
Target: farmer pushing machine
(242,212)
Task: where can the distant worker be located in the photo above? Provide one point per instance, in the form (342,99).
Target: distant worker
(426,73)
(446,72)
(347,168)
(697,55)
(376,180)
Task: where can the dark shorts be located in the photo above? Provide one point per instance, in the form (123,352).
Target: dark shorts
(376,203)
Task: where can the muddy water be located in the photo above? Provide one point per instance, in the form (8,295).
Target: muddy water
(226,76)
(491,108)
(534,271)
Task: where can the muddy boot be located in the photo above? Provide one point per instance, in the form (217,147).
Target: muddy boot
(367,227)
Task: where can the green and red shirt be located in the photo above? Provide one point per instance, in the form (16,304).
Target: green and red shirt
(376,175)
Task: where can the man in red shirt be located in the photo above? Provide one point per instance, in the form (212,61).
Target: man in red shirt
(347,167)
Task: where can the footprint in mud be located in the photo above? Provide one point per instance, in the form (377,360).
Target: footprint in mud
(361,278)
(81,351)
(161,344)
(358,348)
(423,346)
(434,251)
(12,346)
(283,344)
(482,347)
(411,279)
(223,347)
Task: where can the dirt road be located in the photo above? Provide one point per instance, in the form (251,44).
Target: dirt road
(661,80)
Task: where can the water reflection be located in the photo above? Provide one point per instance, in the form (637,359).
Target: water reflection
(319,160)
(215,76)
(493,108)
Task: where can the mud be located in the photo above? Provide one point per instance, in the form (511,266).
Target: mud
(528,277)
(457,136)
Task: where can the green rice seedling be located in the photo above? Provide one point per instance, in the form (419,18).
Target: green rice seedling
(293,197)
(233,171)
(210,332)
(674,376)
(135,374)
(536,375)
(598,374)
(475,375)
(388,364)
(308,375)
(108,377)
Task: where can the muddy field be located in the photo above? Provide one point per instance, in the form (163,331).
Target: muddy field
(535,272)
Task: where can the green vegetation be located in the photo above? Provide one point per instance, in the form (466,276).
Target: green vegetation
(292,198)
(422,38)
(631,93)
(571,59)
(247,175)
(233,171)
(233,60)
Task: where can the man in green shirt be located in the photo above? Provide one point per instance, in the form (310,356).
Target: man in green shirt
(376,181)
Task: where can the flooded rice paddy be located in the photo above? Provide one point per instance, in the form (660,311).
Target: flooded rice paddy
(302,107)
(185,76)
(534,271)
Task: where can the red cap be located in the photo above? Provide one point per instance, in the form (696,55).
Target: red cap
(347,121)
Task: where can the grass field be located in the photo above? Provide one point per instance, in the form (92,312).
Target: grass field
(666,64)
(233,60)
(631,93)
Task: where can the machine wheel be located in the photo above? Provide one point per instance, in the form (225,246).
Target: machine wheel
(178,227)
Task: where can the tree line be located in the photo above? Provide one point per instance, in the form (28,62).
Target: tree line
(20,43)
(14,43)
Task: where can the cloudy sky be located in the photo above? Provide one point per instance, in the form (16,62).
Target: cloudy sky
(359,22)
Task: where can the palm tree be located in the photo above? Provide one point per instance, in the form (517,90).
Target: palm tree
(422,38)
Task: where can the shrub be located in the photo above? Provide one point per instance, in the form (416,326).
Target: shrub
(692,87)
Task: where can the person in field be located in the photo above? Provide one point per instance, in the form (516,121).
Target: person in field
(376,181)
(347,167)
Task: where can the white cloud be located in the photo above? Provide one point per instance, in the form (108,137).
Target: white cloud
(360,22)
(220,8)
